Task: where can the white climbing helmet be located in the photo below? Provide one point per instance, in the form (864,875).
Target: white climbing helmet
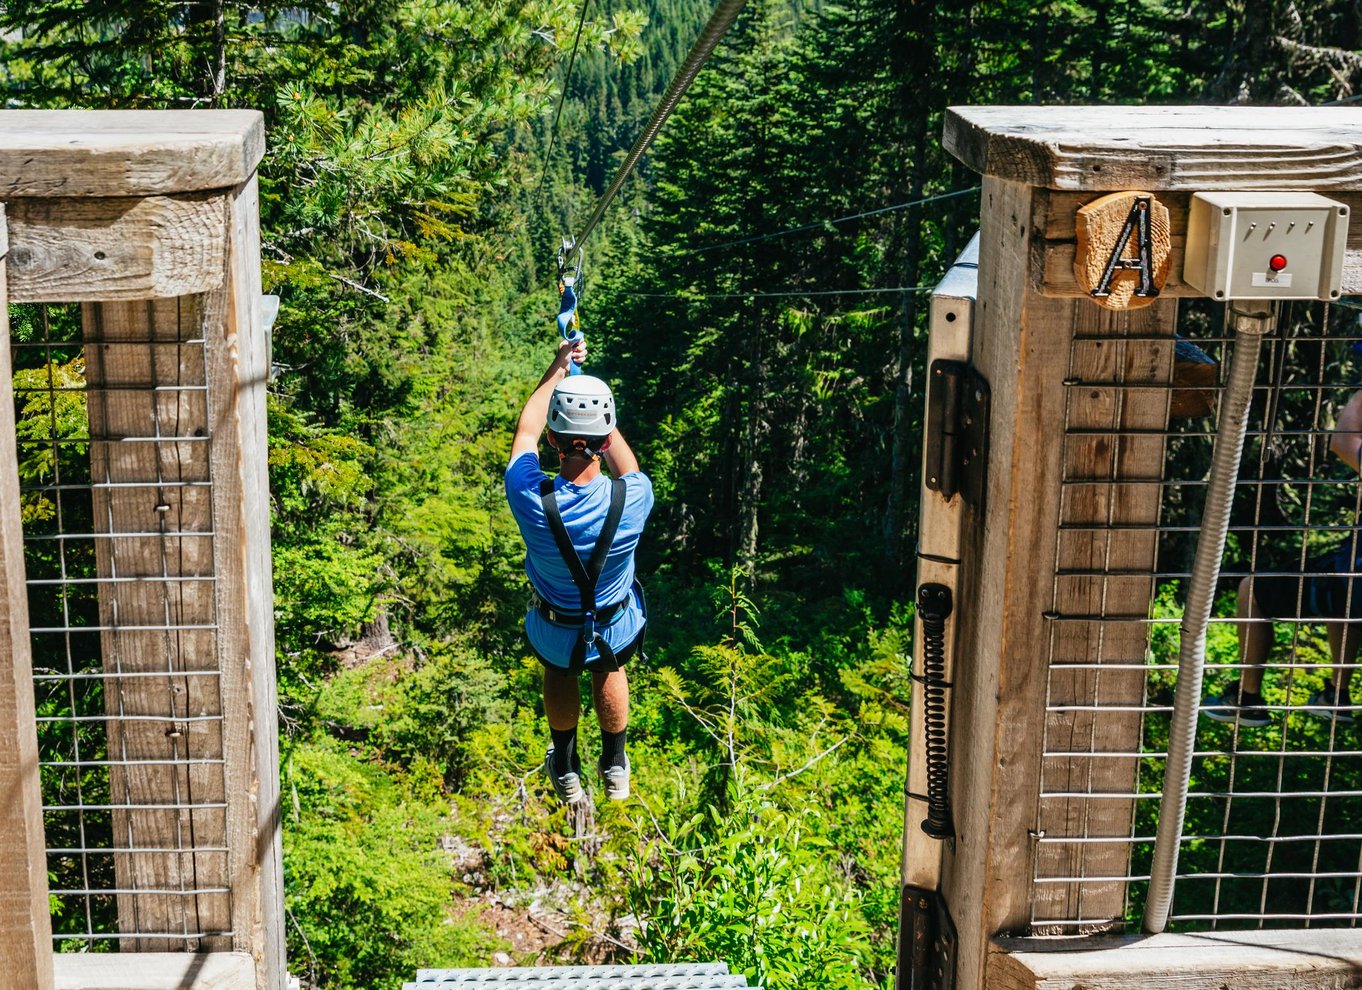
(582,406)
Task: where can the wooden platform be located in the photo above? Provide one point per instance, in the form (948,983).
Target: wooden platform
(1315,959)
(154,971)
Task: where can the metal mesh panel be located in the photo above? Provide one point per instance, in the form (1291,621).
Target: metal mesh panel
(115,477)
(677,976)
(1273,836)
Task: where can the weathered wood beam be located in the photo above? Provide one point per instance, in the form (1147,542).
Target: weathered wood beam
(64,153)
(1312,959)
(25,919)
(154,971)
(82,250)
(238,370)
(1162,148)
(1021,347)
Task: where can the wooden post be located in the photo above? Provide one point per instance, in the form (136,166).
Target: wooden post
(150,219)
(238,371)
(25,924)
(1050,549)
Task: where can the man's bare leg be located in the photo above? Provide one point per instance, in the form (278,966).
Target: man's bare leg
(562,700)
(610,692)
(563,707)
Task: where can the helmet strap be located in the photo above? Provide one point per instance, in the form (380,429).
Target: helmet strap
(578,447)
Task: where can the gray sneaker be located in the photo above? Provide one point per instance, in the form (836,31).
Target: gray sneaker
(568,787)
(616,781)
(1323,704)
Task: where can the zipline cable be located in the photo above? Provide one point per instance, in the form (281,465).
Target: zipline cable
(562,99)
(758,238)
(718,26)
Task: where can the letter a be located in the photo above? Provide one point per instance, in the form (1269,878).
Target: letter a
(1137,223)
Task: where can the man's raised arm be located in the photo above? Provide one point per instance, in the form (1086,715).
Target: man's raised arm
(619,456)
(535,415)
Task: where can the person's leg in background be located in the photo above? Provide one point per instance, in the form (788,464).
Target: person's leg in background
(1243,699)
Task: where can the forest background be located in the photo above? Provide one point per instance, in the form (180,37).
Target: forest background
(412,210)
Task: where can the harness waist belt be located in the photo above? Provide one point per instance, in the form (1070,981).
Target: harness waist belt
(604,616)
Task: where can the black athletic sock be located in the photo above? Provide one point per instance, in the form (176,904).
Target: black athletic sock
(565,751)
(612,748)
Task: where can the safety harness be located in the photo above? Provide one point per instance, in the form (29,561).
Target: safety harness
(585,577)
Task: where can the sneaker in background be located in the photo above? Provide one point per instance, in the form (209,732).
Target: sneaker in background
(1323,704)
(1245,707)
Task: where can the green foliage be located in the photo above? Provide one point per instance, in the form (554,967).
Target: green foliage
(368,889)
(755,889)
(423,712)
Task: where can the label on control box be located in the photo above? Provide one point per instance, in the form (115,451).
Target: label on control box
(1271,280)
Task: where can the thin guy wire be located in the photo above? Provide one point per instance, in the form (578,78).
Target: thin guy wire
(713,32)
(824,224)
(562,99)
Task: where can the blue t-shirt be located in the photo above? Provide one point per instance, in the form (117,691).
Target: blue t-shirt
(583,508)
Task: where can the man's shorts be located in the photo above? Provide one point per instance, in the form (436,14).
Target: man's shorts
(1328,587)
(621,655)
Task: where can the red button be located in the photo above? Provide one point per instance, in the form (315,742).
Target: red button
(1277,262)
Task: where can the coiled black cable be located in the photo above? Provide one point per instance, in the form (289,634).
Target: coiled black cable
(933,609)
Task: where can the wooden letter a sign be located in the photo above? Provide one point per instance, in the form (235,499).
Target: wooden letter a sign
(1123,245)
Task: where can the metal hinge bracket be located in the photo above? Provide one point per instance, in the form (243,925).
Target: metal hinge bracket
(927,942)
(957,431)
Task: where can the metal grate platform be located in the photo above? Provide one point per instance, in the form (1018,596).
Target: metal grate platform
(683,976)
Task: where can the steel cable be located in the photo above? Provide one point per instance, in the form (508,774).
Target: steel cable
(718,26)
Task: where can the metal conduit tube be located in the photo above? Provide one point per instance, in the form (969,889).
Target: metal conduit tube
(1252,321)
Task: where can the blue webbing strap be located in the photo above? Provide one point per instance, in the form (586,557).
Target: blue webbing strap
(567,318)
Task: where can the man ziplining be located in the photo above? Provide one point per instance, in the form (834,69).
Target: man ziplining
(580,530)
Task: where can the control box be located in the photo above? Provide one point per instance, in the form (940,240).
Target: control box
(1265,245)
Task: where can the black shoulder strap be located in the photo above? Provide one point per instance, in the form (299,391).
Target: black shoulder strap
(584,576)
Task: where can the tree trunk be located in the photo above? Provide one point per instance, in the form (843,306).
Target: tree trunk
(754,436)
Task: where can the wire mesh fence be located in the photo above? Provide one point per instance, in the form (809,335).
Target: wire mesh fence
(1273,836)
(115,477)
